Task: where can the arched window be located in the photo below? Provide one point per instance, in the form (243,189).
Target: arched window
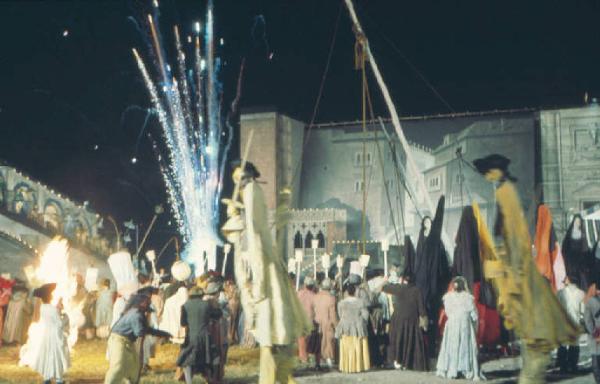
(298,240)
(308,240)
(321,239)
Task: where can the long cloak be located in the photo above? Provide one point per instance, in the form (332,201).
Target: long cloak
(576,254)
(407,346)
(545,245)
(467,258)
(432,271)
(528,304)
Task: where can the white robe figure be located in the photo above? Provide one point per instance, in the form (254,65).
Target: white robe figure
(104,312)
(458,352)
(46,351)
(171,317)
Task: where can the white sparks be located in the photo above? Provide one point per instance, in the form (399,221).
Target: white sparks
(188,110)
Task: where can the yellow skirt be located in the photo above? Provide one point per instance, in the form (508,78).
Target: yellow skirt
(354,354)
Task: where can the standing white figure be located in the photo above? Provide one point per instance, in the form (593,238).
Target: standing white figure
(171,318)
(46,351)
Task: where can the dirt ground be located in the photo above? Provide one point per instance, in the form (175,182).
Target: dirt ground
(89,366)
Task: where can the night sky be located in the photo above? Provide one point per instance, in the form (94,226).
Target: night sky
(60,96)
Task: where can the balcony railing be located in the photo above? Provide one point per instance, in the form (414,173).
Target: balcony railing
(96,245)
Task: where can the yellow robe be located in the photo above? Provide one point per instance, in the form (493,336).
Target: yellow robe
(525,298)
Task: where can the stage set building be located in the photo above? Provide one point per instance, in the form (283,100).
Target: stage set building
(555,155)
(32,214)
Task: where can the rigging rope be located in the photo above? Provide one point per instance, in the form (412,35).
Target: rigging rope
(359,63)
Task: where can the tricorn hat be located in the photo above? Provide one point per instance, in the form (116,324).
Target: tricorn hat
(493,161)
(45,291)
(249,168)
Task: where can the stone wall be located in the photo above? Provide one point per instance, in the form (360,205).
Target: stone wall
(570,162)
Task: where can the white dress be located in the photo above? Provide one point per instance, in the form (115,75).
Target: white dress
(46,350)
(458,352)
(171,318)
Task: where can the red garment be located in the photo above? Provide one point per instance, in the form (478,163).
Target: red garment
(488,330)
(5,292)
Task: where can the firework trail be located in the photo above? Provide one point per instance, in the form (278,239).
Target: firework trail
(259,31)
(185,100)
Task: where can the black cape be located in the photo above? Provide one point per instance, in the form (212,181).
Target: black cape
(432,273)
(467,260)
(577,255)
(409,258)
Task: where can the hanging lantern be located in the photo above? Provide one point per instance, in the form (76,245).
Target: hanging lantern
(181,271)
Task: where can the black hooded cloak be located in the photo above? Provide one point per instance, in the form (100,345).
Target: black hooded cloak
(467,260)
(576,253)
(409,258)
(432,271)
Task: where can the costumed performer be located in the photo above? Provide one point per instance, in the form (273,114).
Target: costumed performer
(124,358)
(268,298)
(46,350)
(525,298)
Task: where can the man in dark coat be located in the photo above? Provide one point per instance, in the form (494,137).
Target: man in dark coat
(198,354)
(407,347)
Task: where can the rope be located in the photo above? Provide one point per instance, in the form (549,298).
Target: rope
(359,62)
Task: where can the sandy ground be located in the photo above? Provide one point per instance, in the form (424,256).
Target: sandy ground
(89,365)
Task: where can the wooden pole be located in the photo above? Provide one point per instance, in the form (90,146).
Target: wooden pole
(393,114)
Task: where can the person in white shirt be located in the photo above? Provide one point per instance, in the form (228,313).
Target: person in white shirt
(571,298)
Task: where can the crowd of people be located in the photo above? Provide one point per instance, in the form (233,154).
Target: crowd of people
(423,315)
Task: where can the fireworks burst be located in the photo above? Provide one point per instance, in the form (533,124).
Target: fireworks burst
(188,109)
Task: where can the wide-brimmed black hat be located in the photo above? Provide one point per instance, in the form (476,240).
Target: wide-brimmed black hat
(249,168)
(45,291)
(494,161)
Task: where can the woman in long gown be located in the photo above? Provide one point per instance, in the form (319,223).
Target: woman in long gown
(352,333)
(458,352)
(46,351)
(407,346)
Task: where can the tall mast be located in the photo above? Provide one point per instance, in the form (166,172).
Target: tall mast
(362,39)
